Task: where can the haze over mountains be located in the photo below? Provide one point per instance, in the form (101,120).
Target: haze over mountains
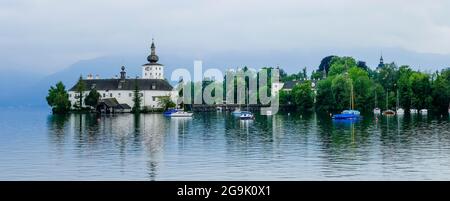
(29,89)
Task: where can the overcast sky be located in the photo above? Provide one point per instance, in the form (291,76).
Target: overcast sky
(48,35)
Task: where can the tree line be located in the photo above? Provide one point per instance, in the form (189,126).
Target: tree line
(379,87)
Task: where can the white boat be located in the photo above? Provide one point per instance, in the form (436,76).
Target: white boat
(423,111)
(181,114)
(377,111)
(245,115)
(413,111)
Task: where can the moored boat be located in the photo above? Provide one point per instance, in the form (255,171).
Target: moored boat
(400,111)
(377,111)
(389,113)
(413,111)
(245,115)
(170,111)
(347,114)
(423,111)
(181,114)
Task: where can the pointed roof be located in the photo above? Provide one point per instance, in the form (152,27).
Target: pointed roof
(152,58)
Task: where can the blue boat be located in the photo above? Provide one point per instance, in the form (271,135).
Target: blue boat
(348,114)
(169,112)
(351,114)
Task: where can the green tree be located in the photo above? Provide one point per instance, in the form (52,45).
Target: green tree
(285,97)
(58,99)
(421,88)
(341,86)
(165,102)
(441,92)
(325,64)
(341,65)
(325,99)
(303,96)
(136,98)
(361,88)
(92,98)
(404,87)
(387,76)
(79,88)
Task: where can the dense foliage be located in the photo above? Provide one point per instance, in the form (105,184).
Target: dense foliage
(58,99)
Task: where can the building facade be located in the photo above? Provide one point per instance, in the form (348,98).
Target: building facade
(151,85)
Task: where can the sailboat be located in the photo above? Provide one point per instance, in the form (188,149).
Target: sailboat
(376,110)
(348,114)
(388,112)
(245,115)
(178,113)
(400,111)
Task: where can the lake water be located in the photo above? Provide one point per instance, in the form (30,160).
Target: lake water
(36,145)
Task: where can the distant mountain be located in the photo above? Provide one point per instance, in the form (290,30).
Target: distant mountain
(30,89)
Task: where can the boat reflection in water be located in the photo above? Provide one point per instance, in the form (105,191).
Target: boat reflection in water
(346,122)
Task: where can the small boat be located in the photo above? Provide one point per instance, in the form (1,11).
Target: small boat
(399,110)
(245,115)
(347,114)
(413,111)
(424,111)
(389,113)
(377,111)
(169,112)
(181,114)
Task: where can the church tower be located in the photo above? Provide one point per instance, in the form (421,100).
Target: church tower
(381,64)
(153,70)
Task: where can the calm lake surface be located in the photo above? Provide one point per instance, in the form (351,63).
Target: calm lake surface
(36,145)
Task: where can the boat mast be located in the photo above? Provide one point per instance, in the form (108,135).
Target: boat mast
(376,100)
(387,96)
(397,101)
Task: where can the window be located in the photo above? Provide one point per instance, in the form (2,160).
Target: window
(118,94)
(145,74)
(153,86)
(150,73)
(154,98)
(110,94)
(104,95)
(129,94)
(70,95)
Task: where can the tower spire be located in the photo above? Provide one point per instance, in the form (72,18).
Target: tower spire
(381,64)
(153,58)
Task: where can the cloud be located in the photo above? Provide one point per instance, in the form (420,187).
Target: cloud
(47,35)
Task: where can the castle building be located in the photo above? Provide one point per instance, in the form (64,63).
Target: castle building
(117,93)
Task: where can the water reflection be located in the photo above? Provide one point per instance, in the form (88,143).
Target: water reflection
(219,146)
